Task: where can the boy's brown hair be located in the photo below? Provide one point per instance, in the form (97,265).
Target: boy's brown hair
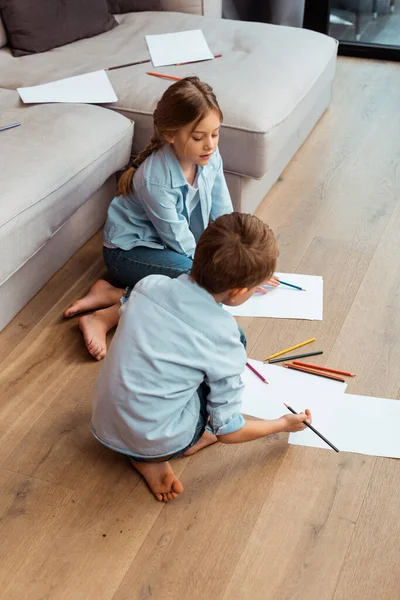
(186,101)
(236,251)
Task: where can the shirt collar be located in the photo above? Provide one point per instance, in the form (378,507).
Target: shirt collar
(177,177)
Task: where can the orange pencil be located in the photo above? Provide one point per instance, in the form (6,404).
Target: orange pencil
(164,76)
(313,372)
(309,366)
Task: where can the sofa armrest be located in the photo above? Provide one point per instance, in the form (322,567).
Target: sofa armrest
(208,8)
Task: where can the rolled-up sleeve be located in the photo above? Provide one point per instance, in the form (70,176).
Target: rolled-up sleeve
(159,204)
(223,405)
(221,199)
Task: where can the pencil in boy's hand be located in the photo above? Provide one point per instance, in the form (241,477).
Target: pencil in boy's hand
(313,429)
(296,287)
(313,372)
(256,372)
(291,348)
(319,368)
(164,76)
(294,356)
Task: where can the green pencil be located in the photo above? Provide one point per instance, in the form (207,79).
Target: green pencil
(295,357)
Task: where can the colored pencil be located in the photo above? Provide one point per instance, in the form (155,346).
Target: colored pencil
(9,126)
(327,369)
(296,287)
(291,348)
(197,61)
(256,372)
(313,372)
(314,430)
(132,64)
(164,76)
(282,358)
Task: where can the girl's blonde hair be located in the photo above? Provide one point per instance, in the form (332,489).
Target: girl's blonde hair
(186,101)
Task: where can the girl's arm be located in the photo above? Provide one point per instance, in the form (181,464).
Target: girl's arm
(159,203)
(221,199)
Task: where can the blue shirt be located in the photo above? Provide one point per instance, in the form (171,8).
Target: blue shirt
(155,213)
(171,337)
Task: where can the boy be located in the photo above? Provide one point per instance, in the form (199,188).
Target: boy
(170,384)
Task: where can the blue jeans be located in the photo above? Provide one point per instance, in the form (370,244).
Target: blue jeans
(130,266)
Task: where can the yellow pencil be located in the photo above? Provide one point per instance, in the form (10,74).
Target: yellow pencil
(291,348)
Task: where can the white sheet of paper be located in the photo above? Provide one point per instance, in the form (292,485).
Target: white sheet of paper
(90,88)
(284,302)
(353,423)
(265,401)
(183,46)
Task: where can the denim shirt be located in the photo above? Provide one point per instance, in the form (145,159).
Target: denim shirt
(171,337)
(155,214)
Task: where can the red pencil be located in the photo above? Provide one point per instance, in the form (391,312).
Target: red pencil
(313,372)
(256,372)
(164,76)
(197,61)
(308,365)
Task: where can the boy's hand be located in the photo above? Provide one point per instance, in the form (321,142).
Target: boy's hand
(273,282)
(293,423)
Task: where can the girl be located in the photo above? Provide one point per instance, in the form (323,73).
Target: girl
(164,203)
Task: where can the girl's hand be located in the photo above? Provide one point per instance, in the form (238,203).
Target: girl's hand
(273,282)
(293,423)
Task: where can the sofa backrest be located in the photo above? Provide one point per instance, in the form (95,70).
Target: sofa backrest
(3,37)
(208,8)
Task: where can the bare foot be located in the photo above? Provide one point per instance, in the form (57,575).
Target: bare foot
(94,331)
(100,295)
(206,440)
(161,480)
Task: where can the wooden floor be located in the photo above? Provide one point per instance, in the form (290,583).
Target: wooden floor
(258,521)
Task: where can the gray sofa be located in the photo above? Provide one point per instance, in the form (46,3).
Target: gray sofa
(273,84)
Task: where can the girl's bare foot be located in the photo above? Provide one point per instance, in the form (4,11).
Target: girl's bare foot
(101,295)
(95,328)
(161,479)
(206,440)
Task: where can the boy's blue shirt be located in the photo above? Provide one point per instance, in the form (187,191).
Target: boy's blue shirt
(172,336)
(155,215)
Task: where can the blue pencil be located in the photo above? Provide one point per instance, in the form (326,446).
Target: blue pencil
(9,126)
(296,287)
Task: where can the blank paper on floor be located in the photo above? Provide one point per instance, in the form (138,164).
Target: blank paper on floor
(353,423)
(181,47)
(90,88)
(265,401)
(284,302)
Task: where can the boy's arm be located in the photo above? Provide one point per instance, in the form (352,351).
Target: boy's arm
(253,430)
(221,199)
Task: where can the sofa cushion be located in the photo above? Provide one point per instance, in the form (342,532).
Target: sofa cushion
(265,72)
(51,165)
(3,36)
(52,23)
(117,7)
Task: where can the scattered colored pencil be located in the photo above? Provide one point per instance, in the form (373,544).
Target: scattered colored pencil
(132,64)
(291,348)
(314,430)
(296,287)
(9,126)
(327,369)
(282,358)
(164,76)
(197,61)
(313,372)
(256,372)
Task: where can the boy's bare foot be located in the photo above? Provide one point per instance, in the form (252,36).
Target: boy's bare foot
(100,295)
(94,331)
(161,479)
(206,440)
